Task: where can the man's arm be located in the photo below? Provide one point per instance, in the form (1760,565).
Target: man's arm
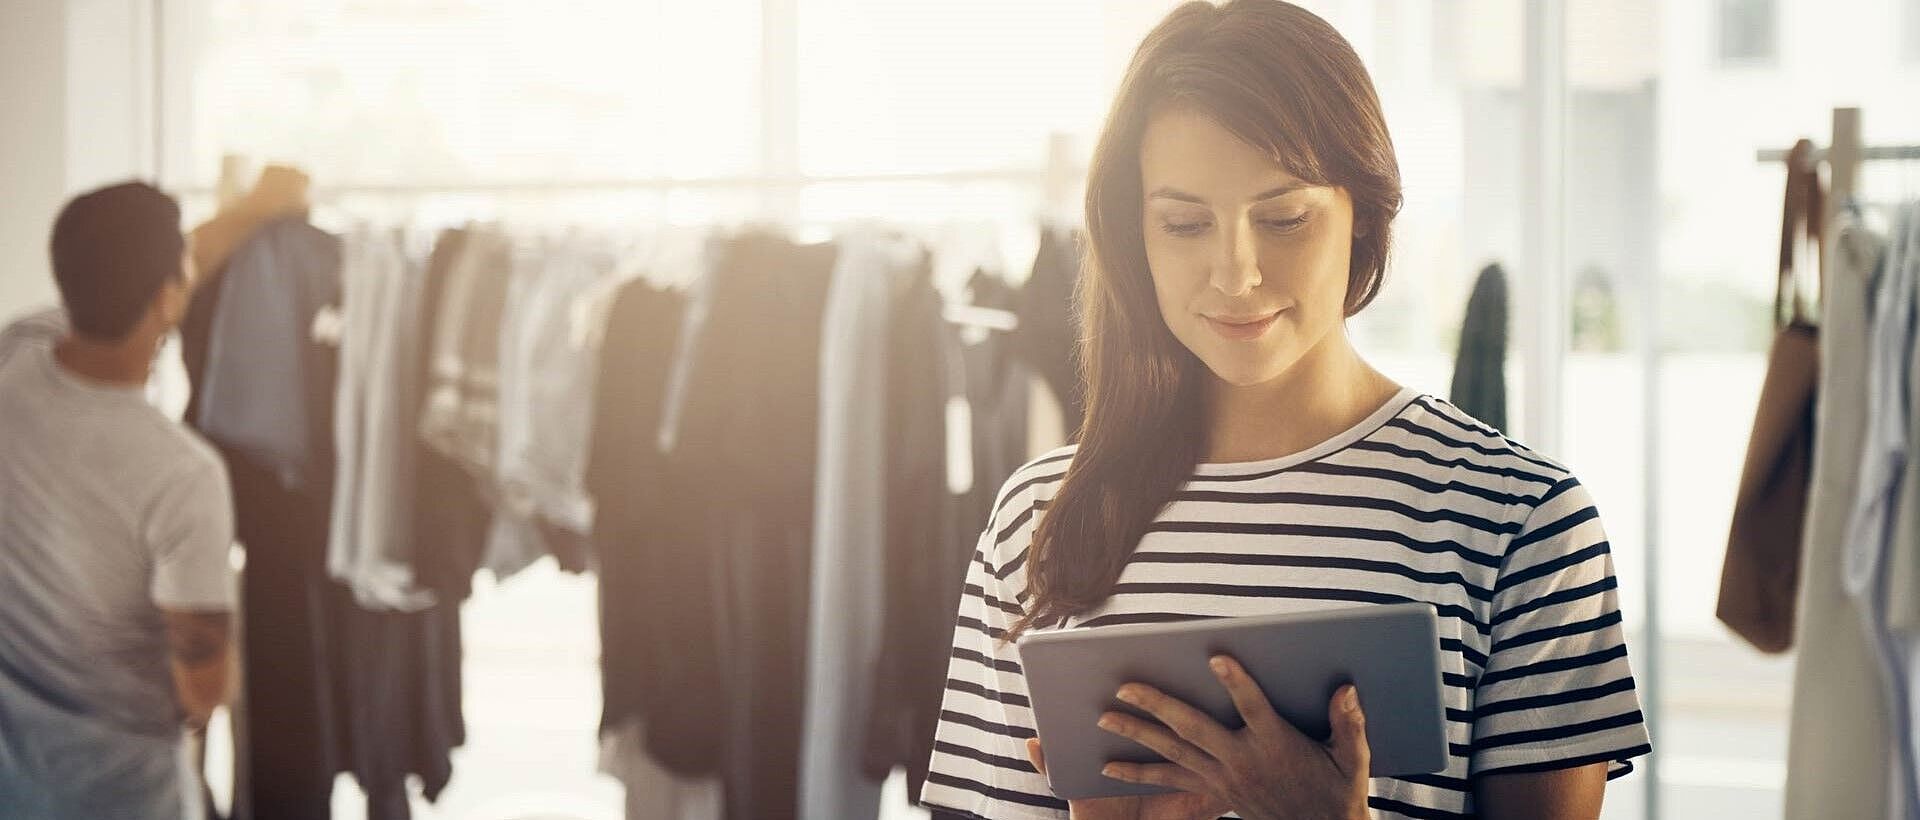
(280,192)
(200,645)
(1562,794)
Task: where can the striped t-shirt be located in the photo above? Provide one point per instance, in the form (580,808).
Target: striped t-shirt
(1419,502)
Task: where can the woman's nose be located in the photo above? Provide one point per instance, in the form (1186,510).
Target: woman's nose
(1236,268)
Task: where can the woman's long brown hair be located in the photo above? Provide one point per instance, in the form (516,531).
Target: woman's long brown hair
(1283,81)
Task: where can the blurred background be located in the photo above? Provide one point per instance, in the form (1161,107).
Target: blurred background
(1604,153)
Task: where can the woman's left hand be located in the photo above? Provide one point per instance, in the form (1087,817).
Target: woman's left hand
(1266,771)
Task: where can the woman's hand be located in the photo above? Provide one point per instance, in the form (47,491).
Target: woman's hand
(1266,771)
(1173,806)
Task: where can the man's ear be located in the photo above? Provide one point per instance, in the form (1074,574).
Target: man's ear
(170,302)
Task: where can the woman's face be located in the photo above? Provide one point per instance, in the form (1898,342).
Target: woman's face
(1249,263)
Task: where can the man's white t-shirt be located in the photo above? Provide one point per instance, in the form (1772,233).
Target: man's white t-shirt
(109,512)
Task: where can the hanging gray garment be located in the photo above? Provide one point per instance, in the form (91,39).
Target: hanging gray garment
(370,535)
(1879,508)
(548,361)
(1839,738)
(1872,531)
(849,528)
(1903,543)
(1902,572)
(1480,369)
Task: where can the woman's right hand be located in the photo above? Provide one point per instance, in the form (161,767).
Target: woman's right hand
(1168,806)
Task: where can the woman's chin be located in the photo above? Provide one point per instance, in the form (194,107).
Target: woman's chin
(1242,374)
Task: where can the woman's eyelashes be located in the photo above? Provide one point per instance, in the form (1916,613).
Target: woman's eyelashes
(1187,228)
(1183,229)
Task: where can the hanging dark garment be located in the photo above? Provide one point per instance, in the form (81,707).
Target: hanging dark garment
(626,476)
(397,681)
(1048,336)
(328,687)
(931,370)
(450,515)
(397,675)
(917,542)
(742,475)
(1480,369)
(287,758)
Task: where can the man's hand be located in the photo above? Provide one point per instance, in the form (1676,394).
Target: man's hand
(281,191)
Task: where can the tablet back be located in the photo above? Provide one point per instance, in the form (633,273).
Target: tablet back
(1389,652)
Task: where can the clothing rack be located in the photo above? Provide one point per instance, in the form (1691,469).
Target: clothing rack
(1872,152)
(1058,180)
(1843,157)
(1032,176)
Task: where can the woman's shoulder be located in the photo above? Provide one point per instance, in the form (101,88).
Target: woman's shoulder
(1034,480)
(1441,425)
(1020,498)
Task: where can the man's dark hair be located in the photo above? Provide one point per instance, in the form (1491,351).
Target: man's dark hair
(112,249)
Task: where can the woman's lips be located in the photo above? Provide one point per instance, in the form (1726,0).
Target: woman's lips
(1242,328)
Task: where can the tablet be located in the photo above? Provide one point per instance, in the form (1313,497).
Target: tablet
(1390,652)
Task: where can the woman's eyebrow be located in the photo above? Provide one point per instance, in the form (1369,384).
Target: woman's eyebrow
(1169,192)
(1275,193)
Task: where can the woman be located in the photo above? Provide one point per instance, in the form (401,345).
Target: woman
(1239,458)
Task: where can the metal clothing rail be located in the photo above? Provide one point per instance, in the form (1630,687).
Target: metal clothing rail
(1029,176)
(1870,152)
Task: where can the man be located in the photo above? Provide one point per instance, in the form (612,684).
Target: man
(115,521)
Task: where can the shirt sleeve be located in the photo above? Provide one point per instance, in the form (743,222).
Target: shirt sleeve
(189,529)
(979,767)
(1557,691)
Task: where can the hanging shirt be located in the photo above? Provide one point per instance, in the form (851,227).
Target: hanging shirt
(849,526)
(1839,740)
(1418,502)
(1878,560)
(548,361)
(460,419)
(370,538)
(109,513)
(253,394)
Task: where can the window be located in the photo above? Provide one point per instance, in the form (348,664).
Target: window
(1748,32)
(1910,31)
(476,90)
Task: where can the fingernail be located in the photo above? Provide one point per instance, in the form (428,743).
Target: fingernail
(1127,694)
(1351,700)
(1108,723)
(1110,770)
(1219,666)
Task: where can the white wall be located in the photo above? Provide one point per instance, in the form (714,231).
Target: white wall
(109,82)
(76,112)
(32,146)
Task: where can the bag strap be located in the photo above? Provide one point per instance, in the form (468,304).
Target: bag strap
(1801,220)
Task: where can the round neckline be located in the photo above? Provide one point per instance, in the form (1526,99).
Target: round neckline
(78,382)
(1337,442)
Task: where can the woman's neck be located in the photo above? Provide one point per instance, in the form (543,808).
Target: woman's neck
(1328,391)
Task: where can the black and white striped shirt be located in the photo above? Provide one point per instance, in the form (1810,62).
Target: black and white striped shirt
(1420,502)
